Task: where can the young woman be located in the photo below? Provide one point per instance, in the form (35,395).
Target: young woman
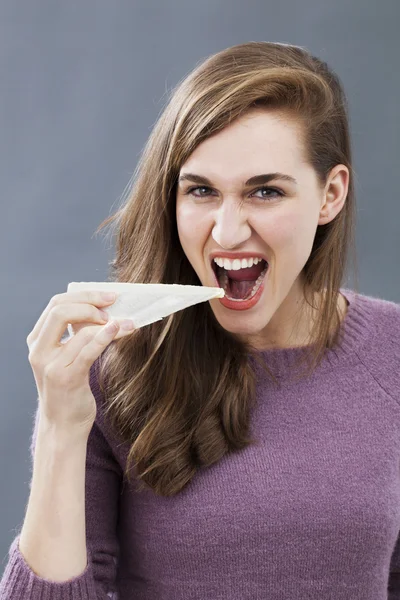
(194,457)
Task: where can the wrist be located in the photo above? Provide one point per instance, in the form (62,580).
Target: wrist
(60,436)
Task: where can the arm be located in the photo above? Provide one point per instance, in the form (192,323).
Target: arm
(53,537)
(103,478)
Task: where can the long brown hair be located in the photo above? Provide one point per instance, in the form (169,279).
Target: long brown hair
(179,391)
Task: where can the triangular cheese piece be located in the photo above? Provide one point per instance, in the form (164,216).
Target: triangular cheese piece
(146,303)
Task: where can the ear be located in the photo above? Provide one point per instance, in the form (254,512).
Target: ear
(335,194)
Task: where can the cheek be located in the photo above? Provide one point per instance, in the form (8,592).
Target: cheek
(189,226)
(281,232)
(290,235)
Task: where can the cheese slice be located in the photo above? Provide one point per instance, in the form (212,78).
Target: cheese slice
(146,303)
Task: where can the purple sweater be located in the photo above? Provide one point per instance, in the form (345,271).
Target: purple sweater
(312,512)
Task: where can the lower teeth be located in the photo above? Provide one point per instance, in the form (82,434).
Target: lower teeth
(224,282)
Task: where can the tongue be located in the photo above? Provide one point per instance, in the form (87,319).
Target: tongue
(249,274)
(241,282)
(240,290)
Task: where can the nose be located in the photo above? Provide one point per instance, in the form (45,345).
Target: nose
(231,227)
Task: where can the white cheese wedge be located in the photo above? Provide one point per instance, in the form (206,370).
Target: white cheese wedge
(146,303)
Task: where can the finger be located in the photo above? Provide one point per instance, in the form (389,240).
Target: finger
(92,348)
(56,323)
(73,346)
(89,297)
(77,327)
(126,326)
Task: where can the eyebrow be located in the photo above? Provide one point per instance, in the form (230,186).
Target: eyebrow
(256,180)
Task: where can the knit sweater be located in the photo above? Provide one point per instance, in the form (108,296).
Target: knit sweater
(312,511)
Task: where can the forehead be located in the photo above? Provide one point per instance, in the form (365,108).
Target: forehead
(258,142)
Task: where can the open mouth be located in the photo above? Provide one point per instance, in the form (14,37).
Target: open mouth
(242,284)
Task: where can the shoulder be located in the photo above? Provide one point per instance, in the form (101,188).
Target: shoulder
(384,316)
(381,352)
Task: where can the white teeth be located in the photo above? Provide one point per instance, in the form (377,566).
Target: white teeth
(244,262)
(237,263)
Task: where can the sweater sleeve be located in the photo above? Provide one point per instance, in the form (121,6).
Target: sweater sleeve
(98,581)
(384,365)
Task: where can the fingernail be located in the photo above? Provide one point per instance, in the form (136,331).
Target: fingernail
(127,324)
(109,295)
(111,326)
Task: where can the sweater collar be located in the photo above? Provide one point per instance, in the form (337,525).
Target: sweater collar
(354,332)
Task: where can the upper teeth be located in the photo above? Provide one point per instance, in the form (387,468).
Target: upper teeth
(237,263)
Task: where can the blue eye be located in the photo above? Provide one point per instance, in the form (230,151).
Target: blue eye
(264,188)
(270,189)
(192,189)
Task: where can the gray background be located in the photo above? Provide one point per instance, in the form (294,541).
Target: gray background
(82,84)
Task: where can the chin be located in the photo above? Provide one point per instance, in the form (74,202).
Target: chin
(239,323)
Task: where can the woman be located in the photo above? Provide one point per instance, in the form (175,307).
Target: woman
(251,478)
